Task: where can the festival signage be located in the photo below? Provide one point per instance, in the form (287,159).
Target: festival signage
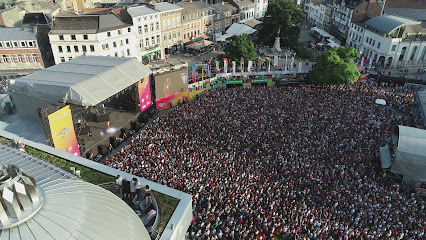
(261,80)
(225,65)
(250,65)
(233,67)
(275,61)
(193,95)
(234,81)
(292,62)
(362,62)
(173,99)
(217,66)
(62,130)
(144,94)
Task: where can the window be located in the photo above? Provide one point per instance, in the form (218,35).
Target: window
(165,37)
(129,30)
(121,42)
(84,48)
(92,48)
(23,44)
(145,27)
(174,35)
(85,37)
(108,34)
(27,58)
(374,42)
(31,44)
(140,30)
(153,40)
(69,58)
(116,54)
(146,42)
(75,48)
(105,46)
(20,58)
(157,26)
(12,59)
(119,31)
(1,45)
(151,27)
(8,44)
(61,37)
(127,41)
(158,39)
(178,34)
(15,44)
(60,49)
(170,36)
(68,49)
(4,57)
(114,44)
(62,59)
(141,43)
(128,52)
(73,37)
(35,58)
(393,47)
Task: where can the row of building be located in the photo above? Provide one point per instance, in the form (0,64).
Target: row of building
(387,33)
(148,32)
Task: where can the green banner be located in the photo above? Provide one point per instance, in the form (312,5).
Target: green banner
(235,81)
(261,80)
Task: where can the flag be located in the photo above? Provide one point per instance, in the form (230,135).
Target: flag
(250,64)
(370,62)
(269,66)
(193,77)
(233,67)
(217,66)
(242,65)
(208,70)
(292,61)
(300,66)
(202,74)
(275,61)
(259,65)
(362,62)
(225,65)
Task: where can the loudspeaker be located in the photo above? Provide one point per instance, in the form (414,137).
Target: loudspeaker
(102,118)
(102,149)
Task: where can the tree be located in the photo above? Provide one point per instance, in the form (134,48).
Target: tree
(281,18)
(239,48)
(336,66)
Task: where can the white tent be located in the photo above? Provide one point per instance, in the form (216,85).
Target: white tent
(332,43)
(238,29)
(322,32)
(411,153)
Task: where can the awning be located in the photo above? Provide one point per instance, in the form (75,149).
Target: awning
(332,43)
(252,22)
(238,29)
(322,32)
(197,39)
(222,38)
(199,45)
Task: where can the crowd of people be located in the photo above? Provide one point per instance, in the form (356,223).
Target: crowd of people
(299,162)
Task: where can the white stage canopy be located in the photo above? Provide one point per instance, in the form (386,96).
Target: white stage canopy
(238,29)
(411,153)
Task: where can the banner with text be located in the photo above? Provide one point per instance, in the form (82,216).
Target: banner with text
(62,129)
(144,94)
(167,101)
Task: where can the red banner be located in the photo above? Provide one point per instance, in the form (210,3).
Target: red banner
(167,101)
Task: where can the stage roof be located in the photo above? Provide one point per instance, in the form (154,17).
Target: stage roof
(411,153)
(84,81)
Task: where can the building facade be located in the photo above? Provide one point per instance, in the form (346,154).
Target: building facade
(147,22)
(245,8)
(207,17)
(260,7)
(170,24)
(20,51)
(191,21)
(98,35)
(222,18)
(389,41)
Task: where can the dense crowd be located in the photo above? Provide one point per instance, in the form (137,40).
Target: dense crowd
(300,162)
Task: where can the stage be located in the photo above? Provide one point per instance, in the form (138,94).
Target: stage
(101,134)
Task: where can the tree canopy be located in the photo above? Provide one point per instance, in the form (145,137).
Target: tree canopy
(281,17)
(336,66)
(239,48)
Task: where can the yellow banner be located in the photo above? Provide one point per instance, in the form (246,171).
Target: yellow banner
(62,129)
(192,95)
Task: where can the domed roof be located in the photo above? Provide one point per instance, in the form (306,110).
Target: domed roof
(387,23)
(72,208)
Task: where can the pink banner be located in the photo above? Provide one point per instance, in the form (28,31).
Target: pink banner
(164,102)
(362,62)
(144,94)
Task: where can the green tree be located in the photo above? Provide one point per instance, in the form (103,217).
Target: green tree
(336,66)
(239,48)
(281,18)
